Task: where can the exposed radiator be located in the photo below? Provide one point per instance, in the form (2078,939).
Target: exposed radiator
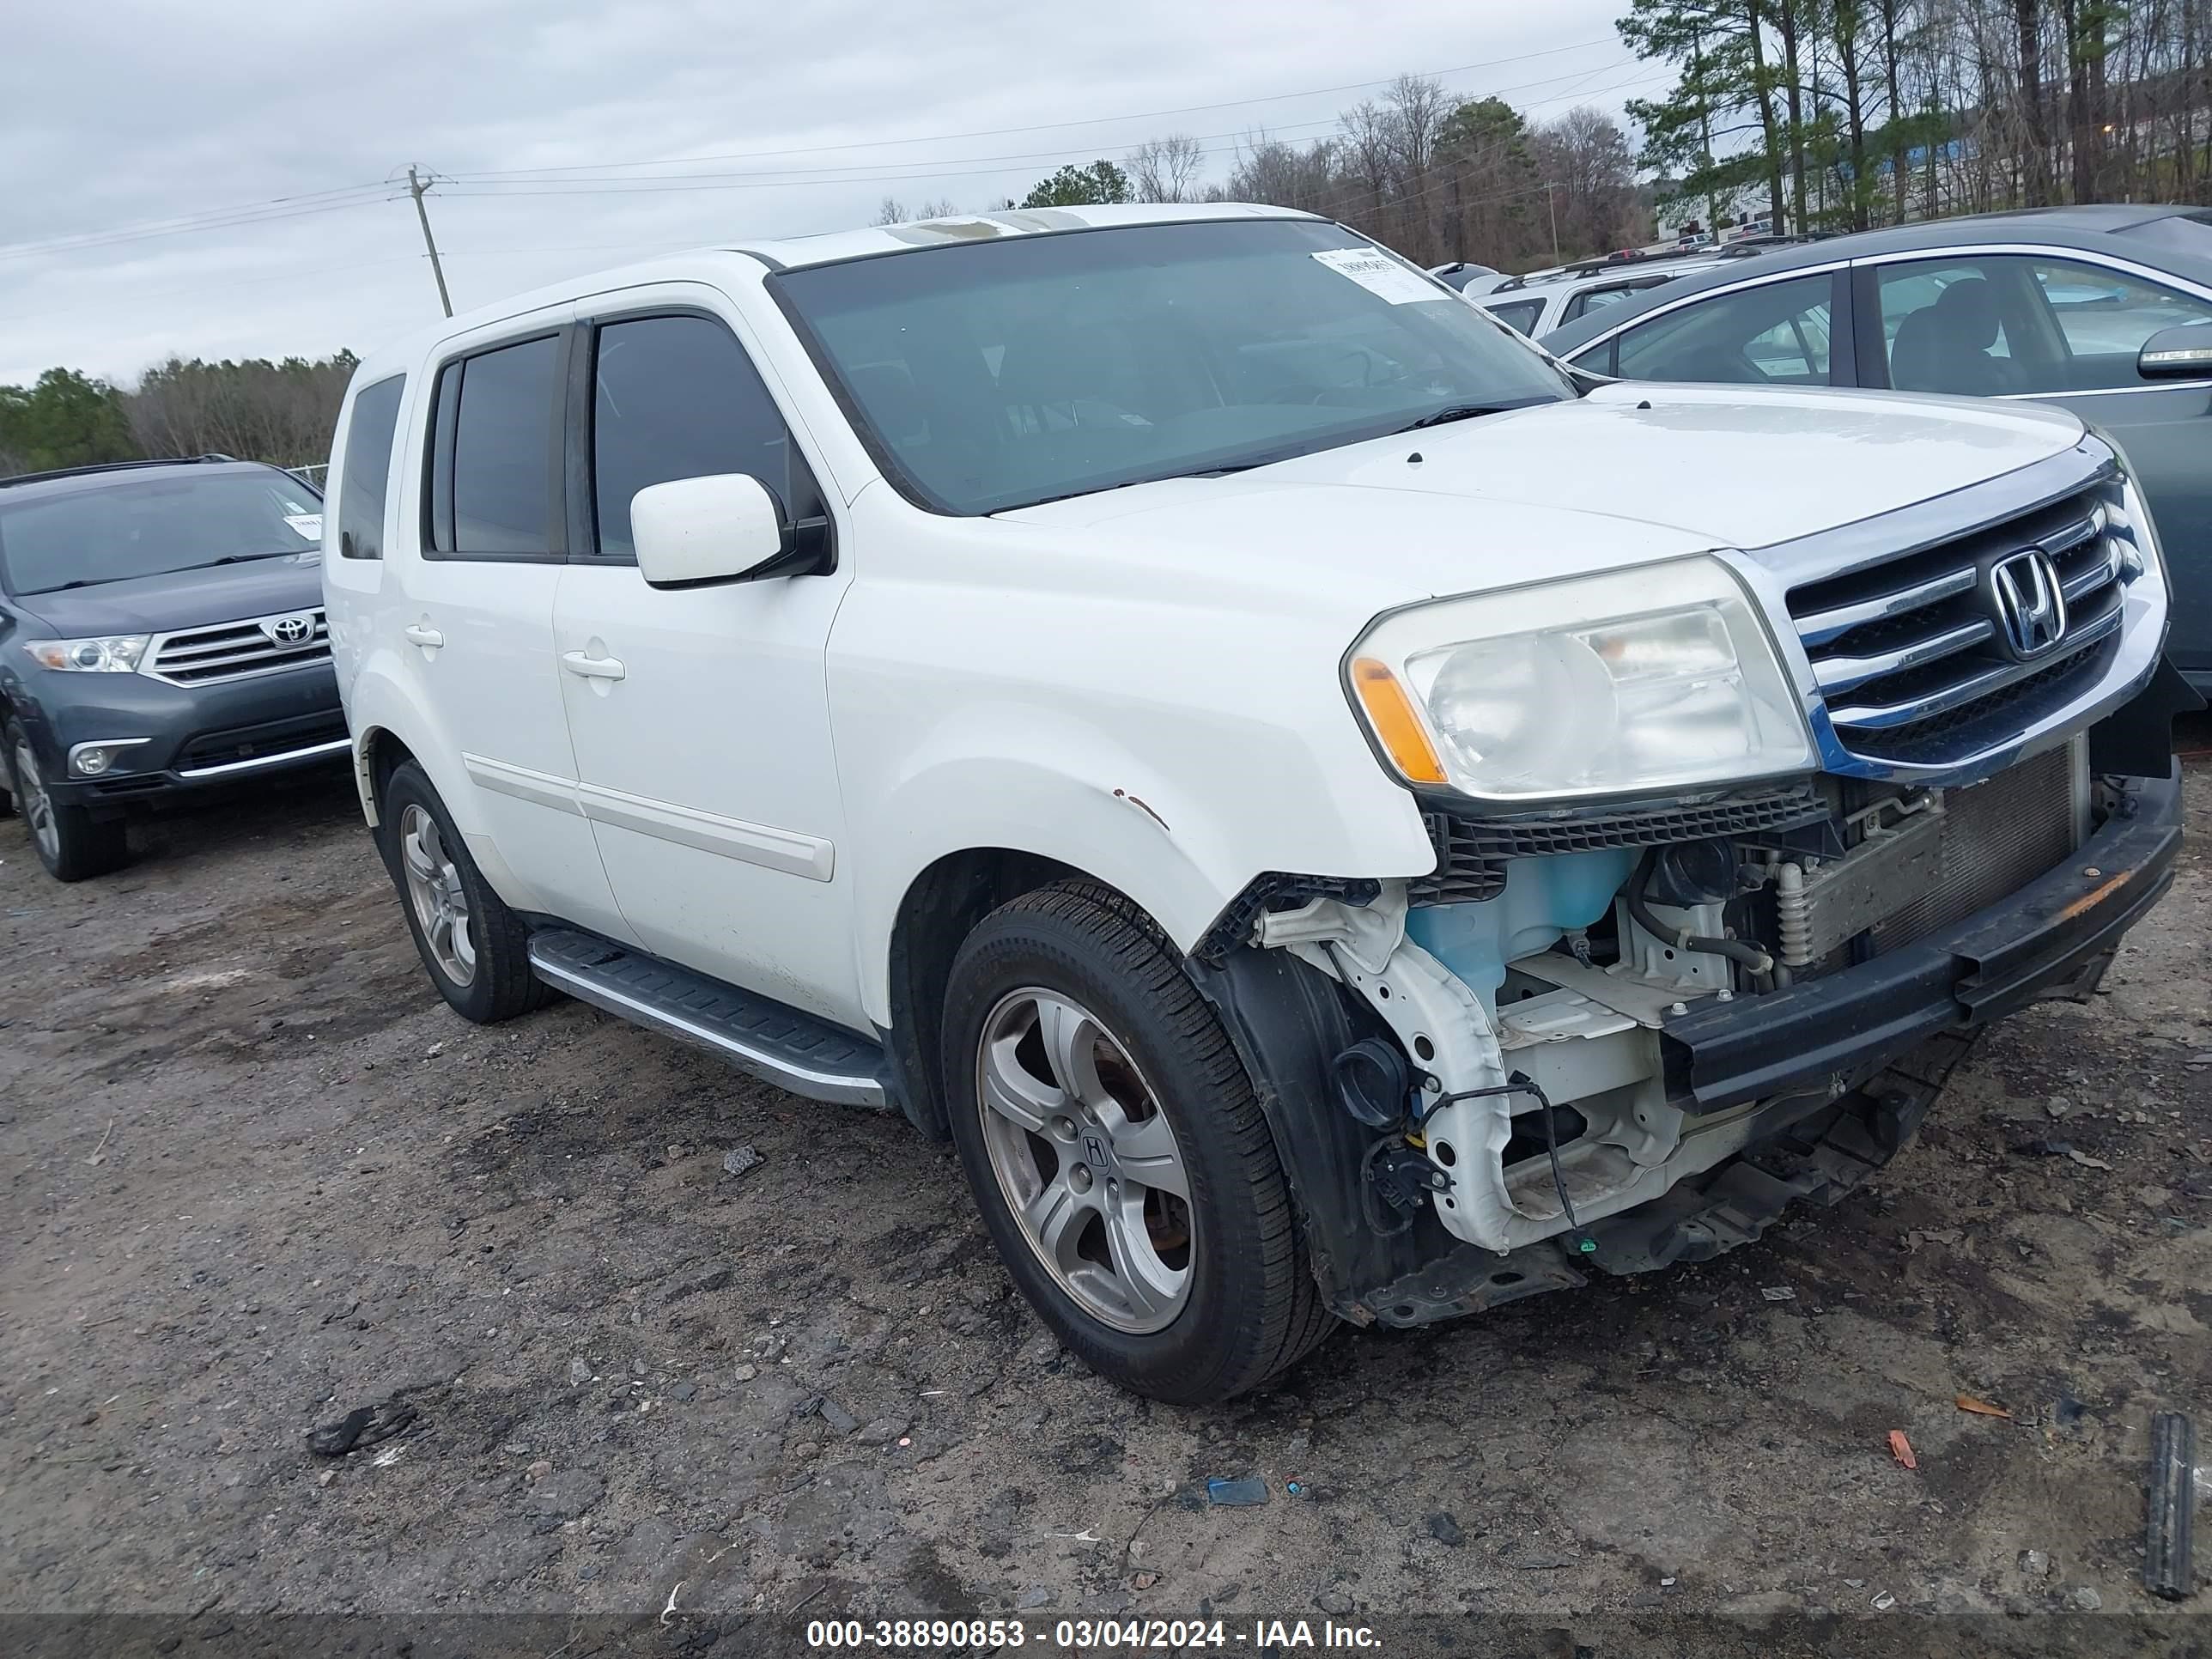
(1997,837)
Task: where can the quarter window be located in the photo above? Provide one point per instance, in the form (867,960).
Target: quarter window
(1775,334)
(366,483)
(492,473)
(1520,315)
(677,397)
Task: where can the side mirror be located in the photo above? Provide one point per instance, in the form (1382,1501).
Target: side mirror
(2178,354)
(725,527)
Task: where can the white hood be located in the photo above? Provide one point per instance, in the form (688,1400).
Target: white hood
(1716,465)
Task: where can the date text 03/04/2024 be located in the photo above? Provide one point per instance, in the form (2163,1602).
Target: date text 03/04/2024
(1083,1635)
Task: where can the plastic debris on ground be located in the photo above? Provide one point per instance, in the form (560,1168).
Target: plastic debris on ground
(1235,1494)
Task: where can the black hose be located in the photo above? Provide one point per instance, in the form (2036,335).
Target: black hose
(1749,956)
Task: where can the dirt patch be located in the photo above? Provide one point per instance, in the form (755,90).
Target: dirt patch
(257,1175)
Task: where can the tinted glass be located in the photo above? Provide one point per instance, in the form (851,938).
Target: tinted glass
(996,373)
(1597,299)
(1520,315)
(675,398)
(2105,316)
(1773,335)
(366,478)
(1945,324)
(502,470)
(151,522)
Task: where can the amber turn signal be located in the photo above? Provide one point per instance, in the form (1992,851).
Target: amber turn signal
(1390,715)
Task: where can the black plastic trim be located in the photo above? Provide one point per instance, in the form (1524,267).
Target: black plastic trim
(1996,961)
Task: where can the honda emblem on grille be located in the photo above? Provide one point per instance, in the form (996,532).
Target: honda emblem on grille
(2030,603)
(289,631)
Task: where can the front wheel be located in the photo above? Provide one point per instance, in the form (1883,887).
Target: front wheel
(1118,1153)
(71,843)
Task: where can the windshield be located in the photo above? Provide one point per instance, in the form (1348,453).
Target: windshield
(1008,372)
(145,524)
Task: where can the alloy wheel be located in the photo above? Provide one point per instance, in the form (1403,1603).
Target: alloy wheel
(38,808)
(434,889)
(1087,1160)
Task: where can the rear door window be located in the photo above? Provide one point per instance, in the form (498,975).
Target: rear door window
(366,483)
(492,474)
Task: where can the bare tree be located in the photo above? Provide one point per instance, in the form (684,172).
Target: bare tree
(1166,169)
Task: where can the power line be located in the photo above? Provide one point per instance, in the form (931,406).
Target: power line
(947,167)
(281,207)
(1047,126)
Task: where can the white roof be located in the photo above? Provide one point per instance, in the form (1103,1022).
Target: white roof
(989,227)
(798,252)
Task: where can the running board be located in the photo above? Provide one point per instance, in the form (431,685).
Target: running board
(775,1043)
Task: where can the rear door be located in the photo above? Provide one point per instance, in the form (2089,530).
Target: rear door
(701,717)
(2060,326)
(475,614)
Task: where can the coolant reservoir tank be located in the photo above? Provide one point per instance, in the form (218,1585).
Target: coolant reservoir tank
(1543,898)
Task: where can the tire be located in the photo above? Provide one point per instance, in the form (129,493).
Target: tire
(1188,1297)
(476,950)
(69,841)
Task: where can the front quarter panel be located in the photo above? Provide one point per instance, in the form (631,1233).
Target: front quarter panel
(992,685)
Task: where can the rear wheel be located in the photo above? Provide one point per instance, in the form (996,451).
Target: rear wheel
(69,841)
(1118,1152)
(476,950)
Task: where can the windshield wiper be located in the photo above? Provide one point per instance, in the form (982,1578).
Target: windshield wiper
(1452,412)
(237,558)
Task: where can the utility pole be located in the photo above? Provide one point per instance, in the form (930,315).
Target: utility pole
(416,187)
(1552,201)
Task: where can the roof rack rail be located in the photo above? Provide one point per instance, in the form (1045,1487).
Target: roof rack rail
(111,466)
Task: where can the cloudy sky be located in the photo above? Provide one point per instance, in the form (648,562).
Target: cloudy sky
(569,137)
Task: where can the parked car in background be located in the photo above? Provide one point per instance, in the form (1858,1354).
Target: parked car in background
(1459,274)
(1334,815)
(2105,311)
(161,631)
(1543,301)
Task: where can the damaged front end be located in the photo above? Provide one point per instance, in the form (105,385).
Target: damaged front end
(1612,1037)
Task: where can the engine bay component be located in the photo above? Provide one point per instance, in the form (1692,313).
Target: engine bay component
(1896,864)
(1372,1083)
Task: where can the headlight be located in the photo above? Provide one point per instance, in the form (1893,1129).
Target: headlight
(116,654)
(1652,679)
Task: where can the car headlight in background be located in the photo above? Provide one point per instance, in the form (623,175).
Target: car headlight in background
(112,654)
(1658,677)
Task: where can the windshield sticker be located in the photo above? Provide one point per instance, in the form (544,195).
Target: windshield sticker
(1380,274)
(309,524)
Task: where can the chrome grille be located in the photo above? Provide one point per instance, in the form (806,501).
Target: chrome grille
(1907,652)
(231,651)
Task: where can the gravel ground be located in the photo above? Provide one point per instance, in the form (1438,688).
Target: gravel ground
(256,1174)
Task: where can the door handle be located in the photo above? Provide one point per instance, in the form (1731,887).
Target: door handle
(429,638)
(592,668)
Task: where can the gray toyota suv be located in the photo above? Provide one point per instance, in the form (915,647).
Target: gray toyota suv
(160,629)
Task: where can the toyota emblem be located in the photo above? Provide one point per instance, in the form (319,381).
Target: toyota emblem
(2030,602)
(289,631)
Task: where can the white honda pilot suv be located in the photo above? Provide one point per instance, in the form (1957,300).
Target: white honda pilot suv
(1335,814)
